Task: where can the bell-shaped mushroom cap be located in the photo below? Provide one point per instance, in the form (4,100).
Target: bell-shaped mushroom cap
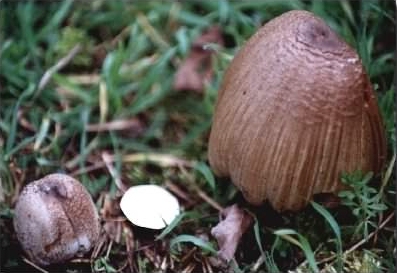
(295,110)
(55,219)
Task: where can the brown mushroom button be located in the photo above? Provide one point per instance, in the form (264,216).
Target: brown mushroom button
(55,219)
(294,111)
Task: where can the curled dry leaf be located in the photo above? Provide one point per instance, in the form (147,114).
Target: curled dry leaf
(228,232)
(197,67)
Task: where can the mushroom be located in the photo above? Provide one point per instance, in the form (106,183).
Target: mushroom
(55,219)
(294,111)
(149,206)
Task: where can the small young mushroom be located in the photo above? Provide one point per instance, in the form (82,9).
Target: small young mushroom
(55,219)
(149,206)
(295,110)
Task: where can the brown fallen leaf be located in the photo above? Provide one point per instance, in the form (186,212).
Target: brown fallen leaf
(228,232)
(196,70)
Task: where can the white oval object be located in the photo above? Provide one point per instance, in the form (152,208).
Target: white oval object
(149,206)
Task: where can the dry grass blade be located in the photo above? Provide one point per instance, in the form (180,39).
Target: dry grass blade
(116,125)
(153,258)
(85,79)
(24,122)
(151,31)
(358,244)
(34,265)
(58,66)
(178,191)
(208,199)
(372,234)
(130,245)
(164,160)
(107,159)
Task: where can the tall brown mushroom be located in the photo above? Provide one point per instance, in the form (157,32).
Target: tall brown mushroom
(295,110)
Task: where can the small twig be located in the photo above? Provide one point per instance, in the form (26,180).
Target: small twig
(113,172)
(388,174)
(57,133)
(34,265)
(85,79)
(373,233)
(122,267)
(164,265)
(98,247)
(208,199)
(358,244)
(188,256)
(115,125)
(151,255)
(88,148)
(109,248)
(80,260)
(153,34)
(120,36)
(178,191)
(259,262)
(93,167)
(130,245)
(208,265)
(24,122)
(199,192)
(114,219)
(58,66)
(189,268)
(163,160)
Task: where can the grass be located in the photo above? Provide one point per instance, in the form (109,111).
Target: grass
(128,54)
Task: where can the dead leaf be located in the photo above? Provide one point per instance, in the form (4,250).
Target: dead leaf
(228,232)
(196,70)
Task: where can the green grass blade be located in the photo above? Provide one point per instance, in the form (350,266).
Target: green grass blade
(176,222)
(207,246)
(302,243)
(42,134)
(335,227)
(56,19)
(202,168)
(258,236)
(14,122)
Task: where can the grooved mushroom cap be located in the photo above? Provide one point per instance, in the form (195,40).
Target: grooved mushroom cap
(55,219)
(294,111)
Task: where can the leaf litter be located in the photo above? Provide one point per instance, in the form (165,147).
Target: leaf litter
(196,70)
(229,231)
